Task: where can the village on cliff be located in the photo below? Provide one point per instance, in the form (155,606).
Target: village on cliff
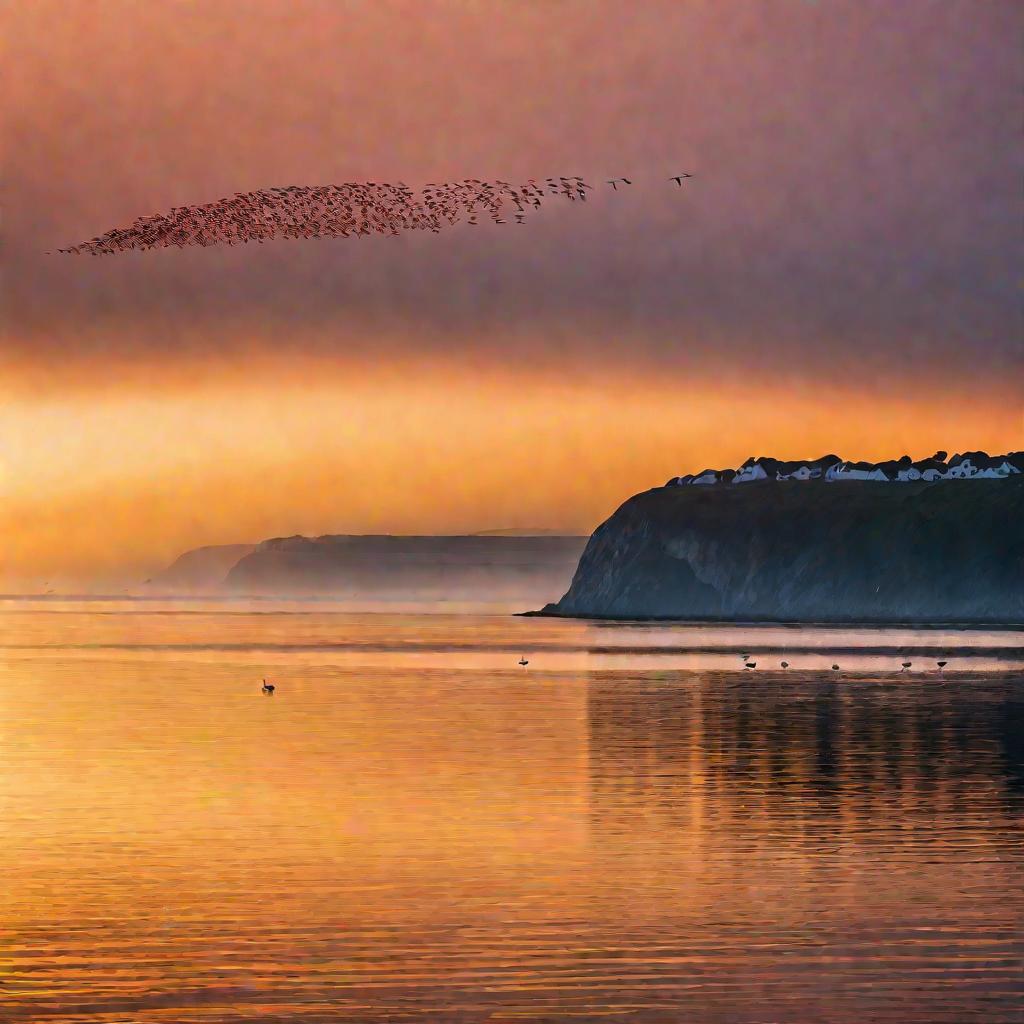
(831,468)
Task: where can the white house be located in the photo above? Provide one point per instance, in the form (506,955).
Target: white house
(963,470)
(924,469)
(749,473)
(997,471)
(856,471)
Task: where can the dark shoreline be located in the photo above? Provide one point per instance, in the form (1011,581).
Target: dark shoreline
(990,624)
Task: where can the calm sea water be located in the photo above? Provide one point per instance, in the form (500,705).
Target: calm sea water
(633,828)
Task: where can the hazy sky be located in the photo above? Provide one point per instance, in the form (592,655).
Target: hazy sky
(843,273)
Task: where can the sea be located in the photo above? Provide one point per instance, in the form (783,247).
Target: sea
(633,827)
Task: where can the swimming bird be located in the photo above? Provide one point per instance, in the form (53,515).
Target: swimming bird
(942,664)
(523,661)
(906,665)
(835,668)
(784,664)
(268,688)
(750,664)
(678,178)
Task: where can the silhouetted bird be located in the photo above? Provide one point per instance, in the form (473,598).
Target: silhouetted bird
(614,185)
(268,688)
(750,664)
(835,668)
(905,665)
(523,661)
(942,664)
(785,664)
(678,178)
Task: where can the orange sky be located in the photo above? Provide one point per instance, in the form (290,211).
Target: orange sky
(842,276)
(114,483)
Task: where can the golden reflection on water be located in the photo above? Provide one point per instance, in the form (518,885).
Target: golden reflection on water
(481,844)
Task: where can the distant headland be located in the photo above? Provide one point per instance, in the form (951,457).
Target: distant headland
(497,565)
(900,545)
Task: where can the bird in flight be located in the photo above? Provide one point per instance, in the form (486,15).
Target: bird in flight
(614,185)
(678,178)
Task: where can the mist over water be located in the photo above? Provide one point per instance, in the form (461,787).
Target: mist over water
(414,828)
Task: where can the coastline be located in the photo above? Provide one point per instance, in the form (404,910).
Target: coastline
(551,612)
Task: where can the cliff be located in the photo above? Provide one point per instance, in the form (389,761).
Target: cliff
(199,570)
(809,551)
(470,567)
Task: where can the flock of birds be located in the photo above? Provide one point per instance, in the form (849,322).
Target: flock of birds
(904,665)
(353,209)
(268,688)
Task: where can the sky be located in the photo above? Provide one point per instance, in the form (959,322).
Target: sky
(843,273)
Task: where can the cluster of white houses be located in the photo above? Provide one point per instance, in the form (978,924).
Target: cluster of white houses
(968,466)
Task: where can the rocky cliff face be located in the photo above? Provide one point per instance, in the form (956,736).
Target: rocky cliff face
(810,551)
(200,570)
